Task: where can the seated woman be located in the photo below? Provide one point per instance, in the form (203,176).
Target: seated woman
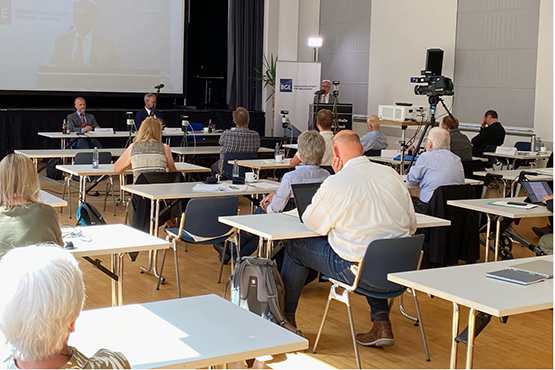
(37,325)
(24,220)
(147,153)
(311,148)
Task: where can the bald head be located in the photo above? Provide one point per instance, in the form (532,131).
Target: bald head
(346,145)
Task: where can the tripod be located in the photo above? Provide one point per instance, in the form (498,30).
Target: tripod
(335,115)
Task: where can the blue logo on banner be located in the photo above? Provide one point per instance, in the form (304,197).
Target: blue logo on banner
(286,85)
(5,12)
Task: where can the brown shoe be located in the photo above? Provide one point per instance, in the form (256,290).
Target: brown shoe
(541,231)
(381,335)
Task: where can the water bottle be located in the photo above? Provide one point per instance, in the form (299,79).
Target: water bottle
(95,158)
(235,174)
(533,143)
(64,127)
(276,151)
(538,144)
(210,125)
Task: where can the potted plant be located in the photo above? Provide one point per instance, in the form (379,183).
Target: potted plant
(268,78)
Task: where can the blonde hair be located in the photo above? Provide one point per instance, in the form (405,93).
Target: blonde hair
(19,181)
(150,130)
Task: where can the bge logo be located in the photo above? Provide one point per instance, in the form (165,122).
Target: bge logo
(286,85)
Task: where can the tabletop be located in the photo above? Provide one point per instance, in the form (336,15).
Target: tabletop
(51,200)
(110,239)
(92,134)
(65,153)
(193,332)
(541,174)
(468,285)
(482,205)
(520,155)
(213,149)
(108,169)
(262,164)
(185,190)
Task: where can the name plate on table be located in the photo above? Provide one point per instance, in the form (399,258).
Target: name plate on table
(173,130)
(390,153)
(506,150)
(102,131)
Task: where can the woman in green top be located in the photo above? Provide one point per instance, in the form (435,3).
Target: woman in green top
(24,220)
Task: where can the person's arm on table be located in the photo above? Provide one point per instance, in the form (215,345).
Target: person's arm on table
(295,161)
(124,162)
(416,172)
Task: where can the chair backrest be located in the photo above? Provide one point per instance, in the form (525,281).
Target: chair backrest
(159,177)
(201,215)
(86,158)
(373,153)
(384,256)
(195,126)
(523,146)
(472,166)
(329,169)
(227,169)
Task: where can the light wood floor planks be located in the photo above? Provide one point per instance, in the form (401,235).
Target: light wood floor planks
(526,341)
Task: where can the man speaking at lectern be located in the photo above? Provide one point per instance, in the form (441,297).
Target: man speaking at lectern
(323,95)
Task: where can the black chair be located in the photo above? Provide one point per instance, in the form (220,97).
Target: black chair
(373,153)
(329,169)
(523,146)
(227,168)
(382,257)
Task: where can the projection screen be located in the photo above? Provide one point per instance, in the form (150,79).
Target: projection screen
(100,45)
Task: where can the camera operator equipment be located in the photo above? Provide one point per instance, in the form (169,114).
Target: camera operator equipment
(184,125)
(286,124)
(130,126)
(335,100)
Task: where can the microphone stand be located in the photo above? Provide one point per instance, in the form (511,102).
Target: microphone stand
(335,115)
(315,113)
(130,124)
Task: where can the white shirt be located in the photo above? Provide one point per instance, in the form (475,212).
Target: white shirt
(328,154)
(363,202)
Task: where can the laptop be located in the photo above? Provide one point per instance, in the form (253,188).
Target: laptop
(303,194)
(541,268)
(536,190)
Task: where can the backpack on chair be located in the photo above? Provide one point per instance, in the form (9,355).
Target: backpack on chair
(87,214)
(256,285)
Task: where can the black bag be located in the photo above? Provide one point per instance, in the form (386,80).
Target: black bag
(52,171)
(256,285)
(87,215)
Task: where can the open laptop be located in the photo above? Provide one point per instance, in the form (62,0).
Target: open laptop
(303,194)
(536,190)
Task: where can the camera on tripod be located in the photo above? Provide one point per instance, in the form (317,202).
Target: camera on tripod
(436,85)
(284,119)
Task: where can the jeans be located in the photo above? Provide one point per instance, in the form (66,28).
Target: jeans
(316,253)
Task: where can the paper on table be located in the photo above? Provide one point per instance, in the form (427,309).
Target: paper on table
(218,187)
(293,213)
(506,204)
(261,185)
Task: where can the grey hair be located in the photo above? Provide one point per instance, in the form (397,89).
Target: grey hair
(147,96)
(440,138)
(311,147)
(41,294)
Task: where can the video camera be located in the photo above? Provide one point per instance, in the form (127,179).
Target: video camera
(436,85)
(285,122)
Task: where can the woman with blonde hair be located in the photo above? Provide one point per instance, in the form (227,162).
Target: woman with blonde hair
(24,219)
(147,153)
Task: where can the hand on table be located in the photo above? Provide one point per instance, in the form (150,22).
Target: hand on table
(266,201)
(87,129)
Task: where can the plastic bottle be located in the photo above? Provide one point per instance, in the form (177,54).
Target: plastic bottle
(276,151)
(95,158)
(210,127)
(538,144)
(64,127)
(235,169)
(533,143)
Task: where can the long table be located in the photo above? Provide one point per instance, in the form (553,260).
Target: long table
(115,240)
(519,155)
(213,149)
(263,164)
(193,332)
(52,200)
(468,286)
(510,177)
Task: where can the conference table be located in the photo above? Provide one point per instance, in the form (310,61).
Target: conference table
(498,212)
(184,151)
(263,164)
(510,177)
(519,155)
(193,332)
(51,200)
(115,240)
(467,285)
(287,225)
(36,154)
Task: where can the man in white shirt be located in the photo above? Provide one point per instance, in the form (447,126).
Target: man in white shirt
(362,202)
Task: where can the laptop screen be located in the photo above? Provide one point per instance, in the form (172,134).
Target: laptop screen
(303,195)
(536,190)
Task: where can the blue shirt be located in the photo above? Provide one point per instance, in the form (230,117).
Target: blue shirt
(374,140)
(303,174)
(434,169)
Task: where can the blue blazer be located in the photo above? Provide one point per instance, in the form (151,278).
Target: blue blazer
(141,115)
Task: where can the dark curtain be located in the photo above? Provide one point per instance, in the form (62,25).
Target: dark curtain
(244,53)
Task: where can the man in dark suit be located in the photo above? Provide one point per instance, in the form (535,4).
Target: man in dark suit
(148,111)
(491,133)
(79,121)
(80,46)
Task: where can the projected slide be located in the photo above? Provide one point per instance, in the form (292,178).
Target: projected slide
(100,45)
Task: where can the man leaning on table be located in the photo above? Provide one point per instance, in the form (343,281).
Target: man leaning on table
(491,133)
(82,122)
(362,202)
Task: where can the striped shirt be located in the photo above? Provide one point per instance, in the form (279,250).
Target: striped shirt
(148,156)
(239,140)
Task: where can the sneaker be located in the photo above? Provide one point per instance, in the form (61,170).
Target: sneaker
(541,231)
(381,335)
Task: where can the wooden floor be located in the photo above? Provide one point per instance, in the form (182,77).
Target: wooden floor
(525,341)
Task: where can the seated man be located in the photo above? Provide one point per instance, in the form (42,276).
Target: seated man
(491,133)
(41,296)
(311,150)
(436,167)
(362,202)
(79,121)
(324,122)
(148,111)
(459,143)
(237,140)
(374,138)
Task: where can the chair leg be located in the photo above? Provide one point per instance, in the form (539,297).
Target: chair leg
(105,196)
(323,320)
(353,334)
(161,269)
(177,280)
(404,313)
(425,343)
(222,262)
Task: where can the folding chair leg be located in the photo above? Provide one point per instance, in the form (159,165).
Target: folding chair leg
(161,269)
(113,195)
(222,262)
(323,321)
(353,334)
(404,313)
(424,342)
(106,196)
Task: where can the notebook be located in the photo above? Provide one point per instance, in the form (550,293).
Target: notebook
(517,277)
(536,190)
(541,268)
(303,194)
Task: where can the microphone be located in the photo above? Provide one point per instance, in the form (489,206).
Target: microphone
(336,85)
(161,86)
(320,92)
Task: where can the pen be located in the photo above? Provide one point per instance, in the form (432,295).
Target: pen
(233,187)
